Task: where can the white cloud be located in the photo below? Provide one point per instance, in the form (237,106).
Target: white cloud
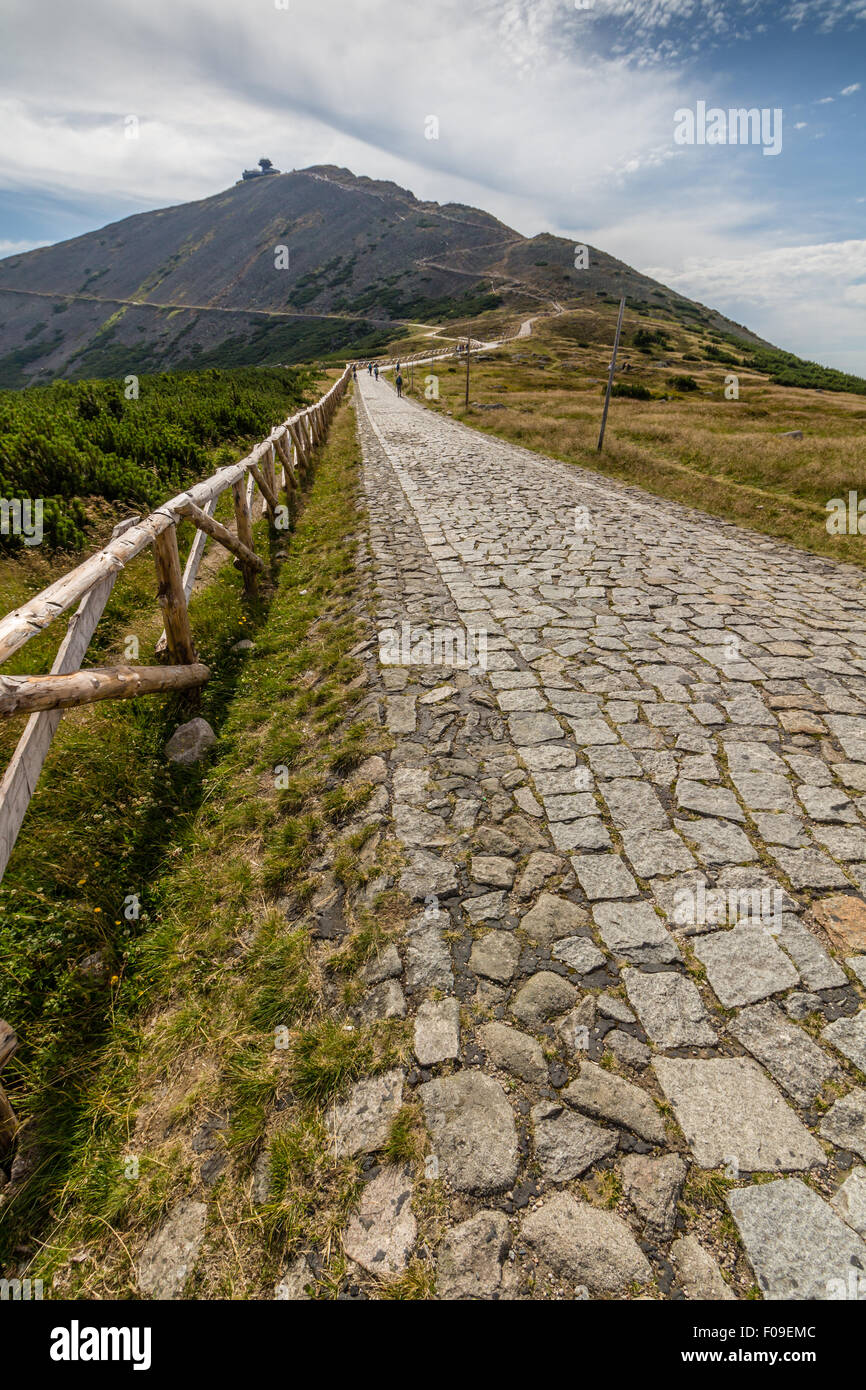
(537,125)
(16,248)
(846,91)
(808,299)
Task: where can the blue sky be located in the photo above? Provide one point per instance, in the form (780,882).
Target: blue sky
(554,117)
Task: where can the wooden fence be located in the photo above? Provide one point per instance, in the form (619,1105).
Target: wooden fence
(278,466)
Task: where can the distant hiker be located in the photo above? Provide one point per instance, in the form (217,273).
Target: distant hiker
(354,373)
(399,384)
(398,368)
(376,373)
(369,369)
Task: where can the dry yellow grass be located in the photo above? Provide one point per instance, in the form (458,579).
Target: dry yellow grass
(727,457)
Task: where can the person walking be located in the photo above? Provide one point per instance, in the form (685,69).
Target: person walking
(399,383)
(376,372)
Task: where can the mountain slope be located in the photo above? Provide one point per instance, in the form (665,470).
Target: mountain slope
(205,283)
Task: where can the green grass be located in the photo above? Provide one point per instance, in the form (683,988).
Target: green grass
(225,1003)
(66,443)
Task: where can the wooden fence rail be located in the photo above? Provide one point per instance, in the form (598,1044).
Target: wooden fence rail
(278,466)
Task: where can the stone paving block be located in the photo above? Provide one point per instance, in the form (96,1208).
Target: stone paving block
(586,834)
(634,931)
(437,1031)
(585,1245)
(656,852)
(633,805)
(381,1234)
(471,1256)
(543,997)
(488,907)
(717,842)
(731,1114)
(604,876)
(567,1144)
(810,868)
(744,964)
(514,1052)
(608,1097)
(707,801)
(472,1131)
(848,1036)
(843,917)
(552,918)
(817,969)
(169,1256)
(428,958)
(788,1053)
(578,953)
(495,956)
(797,1245)
(696,1271)
(400,714)
(850,1201)
(362,1122)
(592,732)
(534,728)
(850,731)
(653,1187)
(669,1008)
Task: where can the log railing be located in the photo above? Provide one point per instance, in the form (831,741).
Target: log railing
(279,467)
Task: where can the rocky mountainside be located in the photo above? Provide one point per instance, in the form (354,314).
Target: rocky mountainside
(281,269)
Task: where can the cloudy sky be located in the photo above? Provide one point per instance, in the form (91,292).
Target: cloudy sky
(556,115)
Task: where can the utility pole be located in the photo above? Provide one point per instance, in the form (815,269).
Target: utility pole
(468,354)
(610,374)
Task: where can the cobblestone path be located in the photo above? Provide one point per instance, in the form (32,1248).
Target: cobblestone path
(634,833)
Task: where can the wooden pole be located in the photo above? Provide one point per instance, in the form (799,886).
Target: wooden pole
(172,599)
(28,693)
(220,533)
(610,374)
(190,569)
(468,355)
(264,486)
(245,534)
(8,1122)
(22,774)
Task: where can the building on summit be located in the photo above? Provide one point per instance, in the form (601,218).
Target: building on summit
(265,167)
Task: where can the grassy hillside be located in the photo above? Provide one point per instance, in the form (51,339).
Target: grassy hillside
(111,820)
(70,443)
(178,1035)
(284,269)
(671,429)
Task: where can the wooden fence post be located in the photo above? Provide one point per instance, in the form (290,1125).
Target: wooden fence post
(8,1122)
(244,525)
(610,374)
(172,599)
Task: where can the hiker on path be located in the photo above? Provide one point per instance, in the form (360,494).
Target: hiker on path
(399,383)
(369,369)
(354,372)
(376,373)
